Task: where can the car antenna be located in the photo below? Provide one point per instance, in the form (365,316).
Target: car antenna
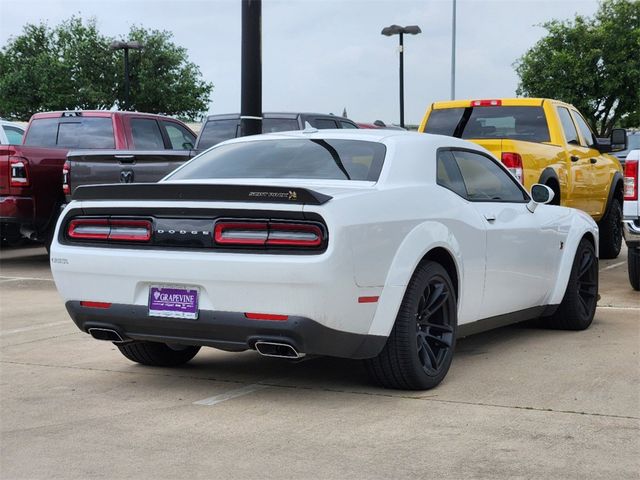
(309,129)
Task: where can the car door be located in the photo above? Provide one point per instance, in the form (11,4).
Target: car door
(578,165)
(521,247)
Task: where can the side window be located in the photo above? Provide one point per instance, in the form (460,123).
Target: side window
(216,131)
(180,137)
(322,123)
(587,134)
(570,132)
(14,135)
(347,124)
(146,134)
(448,174)
(485,181)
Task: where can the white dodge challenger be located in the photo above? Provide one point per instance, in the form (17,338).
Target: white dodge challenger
(377,245)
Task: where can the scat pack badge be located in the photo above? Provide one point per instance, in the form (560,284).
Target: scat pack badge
(293,195)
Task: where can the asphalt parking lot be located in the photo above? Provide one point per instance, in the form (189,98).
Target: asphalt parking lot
(519,402)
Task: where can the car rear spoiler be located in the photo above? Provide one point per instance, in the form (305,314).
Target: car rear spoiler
(201,192)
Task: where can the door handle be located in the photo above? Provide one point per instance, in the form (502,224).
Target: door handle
(574,158)
(593,160)
(490,217)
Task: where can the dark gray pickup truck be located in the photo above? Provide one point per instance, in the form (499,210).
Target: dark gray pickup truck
(91,167)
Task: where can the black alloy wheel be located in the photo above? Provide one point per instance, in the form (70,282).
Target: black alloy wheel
(578,306)
(434,331)
(420,347)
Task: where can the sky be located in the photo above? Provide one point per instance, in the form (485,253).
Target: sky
(327,55)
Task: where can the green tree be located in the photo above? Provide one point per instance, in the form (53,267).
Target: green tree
(592,63)
(72,66)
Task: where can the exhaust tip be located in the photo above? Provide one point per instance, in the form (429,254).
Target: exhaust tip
(106,334)
(278,350)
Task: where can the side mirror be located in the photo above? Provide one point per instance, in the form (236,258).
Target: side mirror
(618,139)
(187,146)
(540,194)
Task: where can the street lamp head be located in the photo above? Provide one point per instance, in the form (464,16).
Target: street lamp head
(397,29)
(391,30)
(133,45)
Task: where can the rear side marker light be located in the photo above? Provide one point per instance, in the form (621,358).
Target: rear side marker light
(110,229)
(266,316)
(18,172)
(513,162)
(486,103)
(268,234)
(95,304)
(631,180)
(368,299)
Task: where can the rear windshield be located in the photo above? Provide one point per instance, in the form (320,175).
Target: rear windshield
(289,158)
(71,132)
(216,131)
(517,123)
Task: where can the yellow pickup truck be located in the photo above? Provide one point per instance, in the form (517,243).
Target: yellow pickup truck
(549,142)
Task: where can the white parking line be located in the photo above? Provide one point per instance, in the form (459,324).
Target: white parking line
(609,267)
(238,392)
(15,279)
(33,327)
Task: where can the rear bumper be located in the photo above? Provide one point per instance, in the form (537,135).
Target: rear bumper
(18,210)
(631,229)
(226,330)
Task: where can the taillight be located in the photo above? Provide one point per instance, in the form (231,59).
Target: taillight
(631,180)
(19,172)
(513,162)
(274,234)
(486,103)
(66,186)
(120,230)
(266,316)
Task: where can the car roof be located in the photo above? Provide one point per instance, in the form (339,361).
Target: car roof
(95,113)
(291,115)
(11,124)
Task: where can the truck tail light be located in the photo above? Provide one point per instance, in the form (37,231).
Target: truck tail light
(106,229)
(486,103)
(19,172)
(270,234)
(66,170)
(513,162)
(631,180)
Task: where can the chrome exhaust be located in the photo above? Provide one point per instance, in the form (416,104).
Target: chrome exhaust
(278,350)
(106,334)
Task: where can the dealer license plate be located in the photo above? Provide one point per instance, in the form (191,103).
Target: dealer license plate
(174,302)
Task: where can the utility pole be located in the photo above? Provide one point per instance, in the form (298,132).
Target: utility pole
(453,53)
(251,81)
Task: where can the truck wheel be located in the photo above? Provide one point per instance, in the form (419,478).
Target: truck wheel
(419,349)
(578,305)
(158,354)
(633,261)
(611,231)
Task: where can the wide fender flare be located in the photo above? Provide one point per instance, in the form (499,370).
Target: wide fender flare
(421,240)
(617,182)
(581,225)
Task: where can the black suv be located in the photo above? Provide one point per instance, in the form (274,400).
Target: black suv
(218,128)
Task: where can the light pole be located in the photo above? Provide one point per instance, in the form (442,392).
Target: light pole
(251,76)
(400,31)
(453,52)
(126,46)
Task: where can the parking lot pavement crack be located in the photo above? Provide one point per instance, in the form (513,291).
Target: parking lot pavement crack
(39,340)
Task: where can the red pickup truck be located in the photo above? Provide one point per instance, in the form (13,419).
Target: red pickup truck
(31,174)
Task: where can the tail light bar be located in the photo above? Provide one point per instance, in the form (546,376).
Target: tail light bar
(109,229)
(631,180)
(19,172)
(486,103)
(513,162)
(66,170)
(269,234)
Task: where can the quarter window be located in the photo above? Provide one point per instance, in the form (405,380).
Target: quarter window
(14,135)
(323,123)
(448,173)
(146,134)
(570,132)
(347,124)
(485,181)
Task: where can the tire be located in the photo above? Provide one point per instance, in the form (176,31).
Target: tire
(633,262)
(419,350)
(611,231)
(578,305)
(158,354)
